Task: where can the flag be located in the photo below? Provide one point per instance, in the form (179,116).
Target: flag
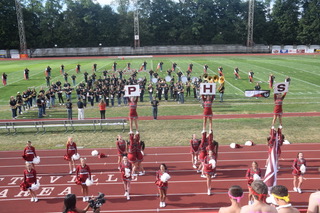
(270,178)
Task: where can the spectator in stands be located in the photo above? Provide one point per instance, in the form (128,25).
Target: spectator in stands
(235,194)
(259,190)
(314,202)
(280,197)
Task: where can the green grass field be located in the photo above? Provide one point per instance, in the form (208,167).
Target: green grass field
(303,96)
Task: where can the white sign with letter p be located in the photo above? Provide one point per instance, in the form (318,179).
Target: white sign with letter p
(281,87)
(207,89)
(131,90)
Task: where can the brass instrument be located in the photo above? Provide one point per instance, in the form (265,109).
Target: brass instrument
(215,78)
(205,77)
(210,79)
(221,80)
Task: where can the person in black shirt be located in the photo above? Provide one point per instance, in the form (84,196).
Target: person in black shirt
(155,105)
(80,109)
(26,74)
(13,105)
(48,71)
(60,97)
(48,81)
(73,77)
(69,109)
(40,108)
(78,68)
(62,69)
(65,77)
(257,87)
(94,67)
(86,76)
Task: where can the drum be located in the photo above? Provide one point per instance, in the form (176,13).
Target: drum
(184,79)
(154,80)
(194,79)
(167,78)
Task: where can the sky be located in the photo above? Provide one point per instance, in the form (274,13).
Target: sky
(104,2)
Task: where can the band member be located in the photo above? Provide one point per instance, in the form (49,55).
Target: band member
(4,79)
(71,150)
(83,173)
(29,153)
(250,74)
(126,173)
(114,66)
(26,74)
(207,110)
(162,186)
(220,71)
(94,67)
(205,68)
(121,147)
(221,89)
(143,66)
(174,66)
(139,154)
(133,115)
(62,69)
(190,67)
(78,67)
(297,173)
(278,100)
(250,176)
(13,106)
(236,73)
(128,66)
(159,66)
(209,169)
(275,136)
(194,150)
(29,178)
(271,80)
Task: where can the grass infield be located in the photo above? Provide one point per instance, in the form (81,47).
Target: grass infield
(303,96)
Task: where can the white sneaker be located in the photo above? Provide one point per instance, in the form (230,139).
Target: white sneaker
(128,196)
(142,173)
(125,194)
(163,204)
(209,192)
(70,172)
(84,199)
(194,166)
(160,204)
(35,199)
(74,169)
(299,190)
(295,189)
(203,176)
(250,202)
(198,171)
(280,127)
(32,199)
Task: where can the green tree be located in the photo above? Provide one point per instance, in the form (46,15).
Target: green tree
(9,37)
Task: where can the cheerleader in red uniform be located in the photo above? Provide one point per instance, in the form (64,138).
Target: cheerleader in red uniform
(272,141)
(29,153)
(71,150)
(203,150)
(278,100)
(126,172)
(194,150)
(220,71)
(253,172)
(122,148)
(209,169)
(139,168)
(162,186)
(83,173)
(207,110)
(133,115)
(297,174)
(29,178)
(132,150)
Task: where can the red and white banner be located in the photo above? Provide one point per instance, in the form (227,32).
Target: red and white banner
(270,178)
(207,89)
(257,93)
(131,90)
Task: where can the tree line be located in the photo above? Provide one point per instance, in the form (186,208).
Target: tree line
(85,23)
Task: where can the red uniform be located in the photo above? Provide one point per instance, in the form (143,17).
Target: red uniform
(29,177)
(82,173)
(250,173)
(29,153)
(194,145)
(121,146)
(278,104)
(133,108)
(271,81)
(207,166)
(132,149)
(71,149)
(203,146)
(159,183)
(207,106)
(138,152)
(123,167)
(297,163)
(272,140)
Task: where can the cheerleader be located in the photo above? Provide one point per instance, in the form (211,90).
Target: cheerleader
(252,174)
(83,173)
(209,169)
(298,172)
(71,150)
(194,150)
(126,173)
(29,153)
(203,150)
(278,100)
(162,185)
(132,150)
(139,154)
(29,178)
(207,110)
(133,115)
(122,148)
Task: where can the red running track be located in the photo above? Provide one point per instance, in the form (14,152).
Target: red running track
(186,193)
